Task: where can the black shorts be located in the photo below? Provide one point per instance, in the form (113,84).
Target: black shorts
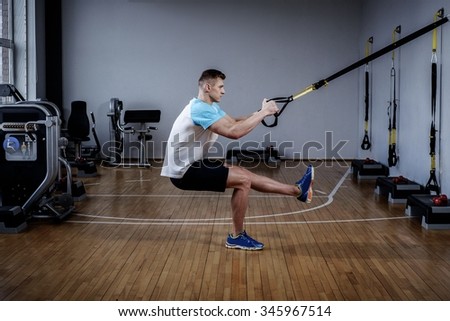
(205,175)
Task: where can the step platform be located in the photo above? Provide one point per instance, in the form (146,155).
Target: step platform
(433,217)
(12,220)
(368,169)
(397,189)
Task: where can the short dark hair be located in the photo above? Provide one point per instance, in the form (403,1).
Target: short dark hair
(210,74)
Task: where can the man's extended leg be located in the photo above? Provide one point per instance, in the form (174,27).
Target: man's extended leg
(260,183)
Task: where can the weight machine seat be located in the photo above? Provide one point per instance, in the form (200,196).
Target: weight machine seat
(142,116)
(78,127)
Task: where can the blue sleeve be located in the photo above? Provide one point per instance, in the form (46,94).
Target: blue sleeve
(205,115)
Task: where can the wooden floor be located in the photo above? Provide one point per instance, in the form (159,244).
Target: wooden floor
(136,237)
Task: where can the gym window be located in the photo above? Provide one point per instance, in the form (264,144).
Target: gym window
(17,46)
(6,42)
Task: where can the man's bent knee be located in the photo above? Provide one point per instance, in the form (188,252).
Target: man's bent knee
(239,178)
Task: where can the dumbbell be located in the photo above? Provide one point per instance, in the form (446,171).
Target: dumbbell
(440,200)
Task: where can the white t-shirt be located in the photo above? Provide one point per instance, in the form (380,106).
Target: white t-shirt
(190,138)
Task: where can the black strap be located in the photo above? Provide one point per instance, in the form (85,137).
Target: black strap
(392,109)
(392,126)
(366,144)
(361,62)
(432,184)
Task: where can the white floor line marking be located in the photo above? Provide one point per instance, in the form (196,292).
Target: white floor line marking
(213,221)
(328,202)
(188,222)
(90,184)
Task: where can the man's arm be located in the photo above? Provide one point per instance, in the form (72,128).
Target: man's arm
(236,128)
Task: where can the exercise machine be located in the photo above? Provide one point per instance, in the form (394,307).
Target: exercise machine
(30,166)
(36,180)
(119,128)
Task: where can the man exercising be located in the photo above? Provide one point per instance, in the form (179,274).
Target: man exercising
(195,130)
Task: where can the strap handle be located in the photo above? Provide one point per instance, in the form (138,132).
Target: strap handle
(279,100)
(365,145)
(432,184)
(393,158)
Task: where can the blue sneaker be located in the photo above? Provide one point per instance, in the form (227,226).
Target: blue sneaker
(259,244)
(243,242)
(305,184)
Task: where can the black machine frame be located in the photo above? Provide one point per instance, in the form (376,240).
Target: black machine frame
(32,183)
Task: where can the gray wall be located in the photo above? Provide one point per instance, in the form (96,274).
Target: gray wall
(149,53)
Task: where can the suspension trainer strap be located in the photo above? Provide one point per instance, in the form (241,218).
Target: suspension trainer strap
(365,145)
(286,100)
(432,184)
(392,109)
